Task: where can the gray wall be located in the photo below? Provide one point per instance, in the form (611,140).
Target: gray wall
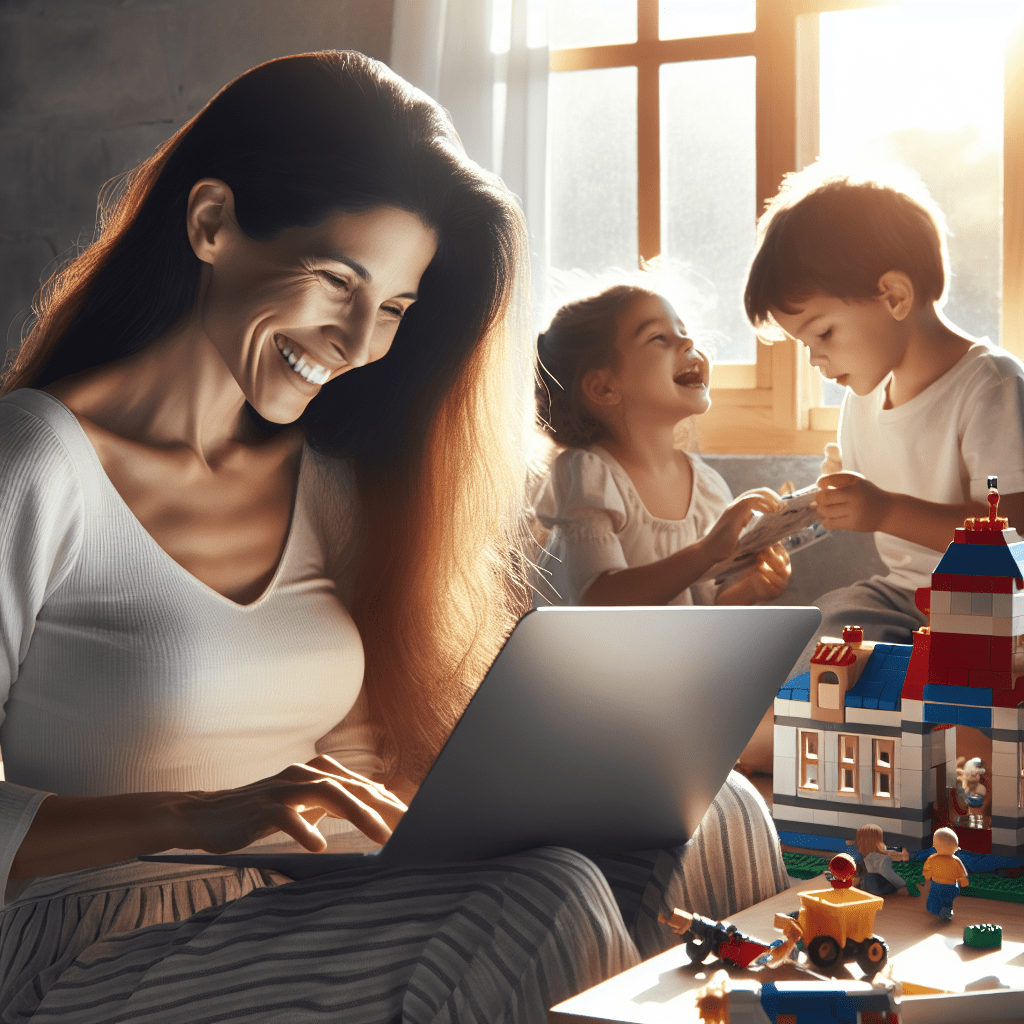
(89,88)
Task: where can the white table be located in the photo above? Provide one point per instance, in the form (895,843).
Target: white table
(921,948)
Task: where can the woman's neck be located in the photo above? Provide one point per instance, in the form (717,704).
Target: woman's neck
(176,392)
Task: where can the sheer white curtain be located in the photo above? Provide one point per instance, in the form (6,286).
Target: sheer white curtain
(486,62)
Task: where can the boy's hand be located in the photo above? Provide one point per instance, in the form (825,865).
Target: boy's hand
(766,578)
(846,501)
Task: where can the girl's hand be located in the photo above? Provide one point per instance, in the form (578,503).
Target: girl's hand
(766,578)
(720,541)
(294,801)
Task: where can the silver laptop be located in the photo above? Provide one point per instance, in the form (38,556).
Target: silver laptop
(599,729)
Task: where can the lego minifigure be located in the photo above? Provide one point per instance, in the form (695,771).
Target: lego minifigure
(879,877)
(946,872)
(969,776)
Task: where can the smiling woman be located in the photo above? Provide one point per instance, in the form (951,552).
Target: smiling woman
(261,501)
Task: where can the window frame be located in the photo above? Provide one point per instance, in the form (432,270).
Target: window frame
(774,404)
(810,758)
(879,767)
(852,741)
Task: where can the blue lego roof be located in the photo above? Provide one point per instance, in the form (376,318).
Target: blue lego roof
(881,683)
(983,560)
(797,688)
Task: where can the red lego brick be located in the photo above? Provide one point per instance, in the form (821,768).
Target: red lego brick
(958,659)
(1007,698)
(913,691)
(991,680)
(961,642)
(942,581)
(937,673)
(982,537)
(958,677)
(1004,585)
(1002,644)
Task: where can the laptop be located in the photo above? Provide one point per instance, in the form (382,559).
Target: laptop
(599,729)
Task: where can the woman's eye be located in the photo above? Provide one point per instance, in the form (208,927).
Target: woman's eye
(825,335)
(395,311)
(333,279)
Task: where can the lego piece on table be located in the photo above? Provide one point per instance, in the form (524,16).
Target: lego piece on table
(983,936)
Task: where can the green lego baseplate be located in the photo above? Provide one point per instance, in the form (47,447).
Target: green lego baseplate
(984,884)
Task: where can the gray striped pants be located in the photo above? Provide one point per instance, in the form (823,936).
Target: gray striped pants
(493,942)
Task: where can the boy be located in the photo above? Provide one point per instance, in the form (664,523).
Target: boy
(856,269)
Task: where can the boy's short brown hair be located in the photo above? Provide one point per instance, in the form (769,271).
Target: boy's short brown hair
(837,234)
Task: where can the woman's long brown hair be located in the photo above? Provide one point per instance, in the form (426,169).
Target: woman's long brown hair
(434,431)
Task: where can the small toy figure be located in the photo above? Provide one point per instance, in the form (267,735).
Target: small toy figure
(879,876)
(842,867)
(969,776)
(946,872)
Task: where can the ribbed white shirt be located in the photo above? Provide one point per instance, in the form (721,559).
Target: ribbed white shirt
(121,672)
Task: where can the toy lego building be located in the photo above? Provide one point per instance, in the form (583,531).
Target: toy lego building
(876,732)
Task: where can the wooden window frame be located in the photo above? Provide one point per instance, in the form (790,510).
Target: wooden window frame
(807,758)
(850,740)
(774,404)
(879,767)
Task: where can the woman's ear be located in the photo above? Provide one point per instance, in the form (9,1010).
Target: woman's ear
(896,290)
(211,210)
(598,387)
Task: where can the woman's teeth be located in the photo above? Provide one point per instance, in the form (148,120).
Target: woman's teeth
(302,365)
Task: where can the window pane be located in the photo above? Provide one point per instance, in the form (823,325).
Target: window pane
(684,19)
(922,84)
(708,179)
(590,22)
(592,149)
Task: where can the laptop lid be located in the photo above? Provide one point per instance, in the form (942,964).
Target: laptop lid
(599,729)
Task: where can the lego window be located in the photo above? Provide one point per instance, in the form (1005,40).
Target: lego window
(809,773)
(732,95)
(848,766)
(883,752)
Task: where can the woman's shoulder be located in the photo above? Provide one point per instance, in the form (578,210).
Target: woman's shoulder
(38,431)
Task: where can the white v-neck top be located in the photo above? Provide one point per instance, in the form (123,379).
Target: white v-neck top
(120,671)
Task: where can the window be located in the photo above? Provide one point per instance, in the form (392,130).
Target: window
(724,98)
(809,764)
(848,766)
(882,756)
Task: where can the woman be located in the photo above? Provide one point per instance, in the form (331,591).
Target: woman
(228,558)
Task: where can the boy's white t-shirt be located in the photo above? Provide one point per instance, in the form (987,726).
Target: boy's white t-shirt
(599,523)
(941,446)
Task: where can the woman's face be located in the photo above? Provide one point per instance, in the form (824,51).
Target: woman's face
(289,314)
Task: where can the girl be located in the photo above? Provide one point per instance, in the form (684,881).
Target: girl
(261,492)
(634,520)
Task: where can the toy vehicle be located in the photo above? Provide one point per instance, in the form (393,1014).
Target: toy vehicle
(704,937)
(836,926)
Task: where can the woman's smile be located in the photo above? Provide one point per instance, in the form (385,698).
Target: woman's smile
(300,362)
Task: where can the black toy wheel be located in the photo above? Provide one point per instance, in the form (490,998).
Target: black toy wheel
(823,951)
(697,951)
(872,956)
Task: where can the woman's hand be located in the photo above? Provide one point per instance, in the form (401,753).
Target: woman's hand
(721,540)
(294,801)
(766,578)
